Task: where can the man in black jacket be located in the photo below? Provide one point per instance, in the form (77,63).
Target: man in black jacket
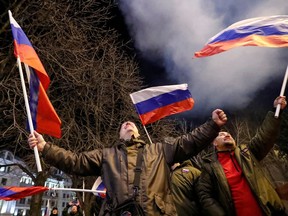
(116,165)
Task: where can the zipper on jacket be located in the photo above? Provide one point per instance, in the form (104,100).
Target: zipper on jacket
(233,158)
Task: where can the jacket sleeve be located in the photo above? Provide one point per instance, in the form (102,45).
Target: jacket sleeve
(265,137)
(84,164)
(204,190)
(183,190)
(188,145)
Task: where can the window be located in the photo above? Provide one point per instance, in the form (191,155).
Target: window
(3,181)
(22,201)
(9,157)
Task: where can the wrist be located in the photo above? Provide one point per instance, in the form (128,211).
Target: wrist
(41,145)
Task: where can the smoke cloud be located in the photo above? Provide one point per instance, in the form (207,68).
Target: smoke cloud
(170,31)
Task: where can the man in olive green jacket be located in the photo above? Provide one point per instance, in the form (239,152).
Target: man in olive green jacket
(232,181)
(116,165)
(183,180)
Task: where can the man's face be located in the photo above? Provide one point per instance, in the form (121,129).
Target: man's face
(127,130)
(74,209)
(224,141)
(54,211)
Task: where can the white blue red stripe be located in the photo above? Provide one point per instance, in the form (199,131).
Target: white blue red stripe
(26,52)
(155,103)
(99,186)
(44,117)
(15,193)
(270,31)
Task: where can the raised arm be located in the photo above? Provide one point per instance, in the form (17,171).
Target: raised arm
(188,145)
(85,163)
(267,133)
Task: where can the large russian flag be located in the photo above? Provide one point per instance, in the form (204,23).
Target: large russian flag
(155,103)
(270,31)
(14,193)
(44,117)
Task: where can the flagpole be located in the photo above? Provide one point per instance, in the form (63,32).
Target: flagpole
(147,134)
(83,194)
(282,92)
(36,153)
(76,189)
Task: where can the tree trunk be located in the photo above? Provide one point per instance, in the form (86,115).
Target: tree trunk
(36,200)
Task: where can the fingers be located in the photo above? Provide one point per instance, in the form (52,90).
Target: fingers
(281,100)
(36,139)
(222,116)
(220,113)
(32,141)
(219,117)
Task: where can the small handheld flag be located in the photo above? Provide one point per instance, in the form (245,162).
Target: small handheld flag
(99,186)
(158,102)
(269,31)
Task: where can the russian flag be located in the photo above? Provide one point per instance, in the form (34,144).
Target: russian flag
(15,193)
(270,31)
(155,103)
(99,186)
(44,116)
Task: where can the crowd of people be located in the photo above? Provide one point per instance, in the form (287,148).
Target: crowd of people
(161,179)
(71,209)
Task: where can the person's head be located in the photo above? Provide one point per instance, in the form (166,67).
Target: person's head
(224,141)
(54,210)
(74,209)
(127,130)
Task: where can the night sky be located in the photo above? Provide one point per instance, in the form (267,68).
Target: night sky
(166,33)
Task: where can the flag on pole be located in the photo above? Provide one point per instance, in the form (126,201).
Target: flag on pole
(269,31)
(44,117)
(158,102)
(47,209)
(15,193)
(99,186)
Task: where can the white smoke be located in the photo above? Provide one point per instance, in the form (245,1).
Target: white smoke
(170,31)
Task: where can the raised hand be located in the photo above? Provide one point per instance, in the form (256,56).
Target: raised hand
(219,117)
(36,139)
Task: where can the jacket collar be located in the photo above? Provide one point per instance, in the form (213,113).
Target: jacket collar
(212,155)
(132,141)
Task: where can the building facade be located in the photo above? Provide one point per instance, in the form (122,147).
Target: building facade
(15,176)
